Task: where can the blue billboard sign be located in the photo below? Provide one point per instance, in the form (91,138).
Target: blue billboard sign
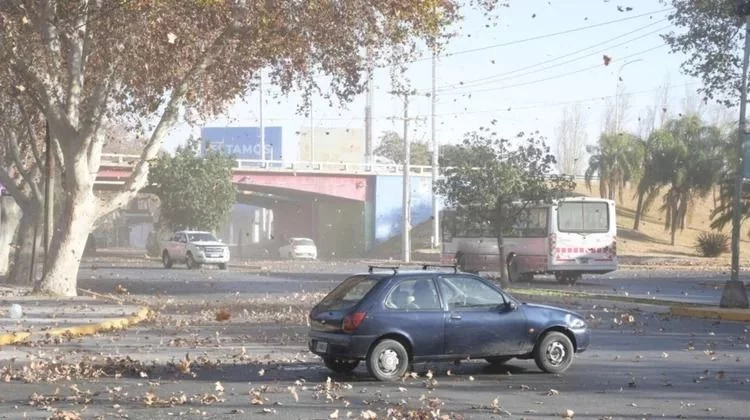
(243,142)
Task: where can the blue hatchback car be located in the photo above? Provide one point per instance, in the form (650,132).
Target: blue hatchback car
(390,318)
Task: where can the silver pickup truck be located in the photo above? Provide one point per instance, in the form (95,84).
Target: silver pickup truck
(195,248)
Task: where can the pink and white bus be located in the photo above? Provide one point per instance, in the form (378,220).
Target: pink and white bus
(568,238)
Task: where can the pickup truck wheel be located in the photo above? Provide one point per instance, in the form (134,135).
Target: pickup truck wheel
(190,262)
(166,260)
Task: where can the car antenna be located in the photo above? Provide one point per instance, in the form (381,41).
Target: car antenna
(382,267)
(454,266)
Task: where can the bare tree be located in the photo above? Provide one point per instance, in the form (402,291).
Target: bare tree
(616,111)
(571,140)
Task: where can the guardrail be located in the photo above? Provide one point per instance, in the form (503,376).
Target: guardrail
(123,160)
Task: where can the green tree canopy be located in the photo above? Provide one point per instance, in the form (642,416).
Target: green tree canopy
(391,146)
(489,175)
(195,192)
(708,32)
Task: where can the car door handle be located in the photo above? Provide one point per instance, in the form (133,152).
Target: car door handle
(455,316)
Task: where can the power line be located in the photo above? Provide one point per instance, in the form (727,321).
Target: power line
(534,66)
(532,82)
(497,110)
(555,104)
(538,37)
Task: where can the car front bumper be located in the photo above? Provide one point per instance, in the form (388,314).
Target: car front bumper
(582,336)
(212,258)
(342,346)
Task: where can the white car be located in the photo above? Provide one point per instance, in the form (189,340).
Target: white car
(299,248)
(195,248)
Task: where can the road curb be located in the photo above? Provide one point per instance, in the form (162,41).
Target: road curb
(725,314)
(141,315)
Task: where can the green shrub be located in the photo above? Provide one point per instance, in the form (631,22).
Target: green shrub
(712,244)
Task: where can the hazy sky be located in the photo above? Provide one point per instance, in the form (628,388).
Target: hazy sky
(500,72)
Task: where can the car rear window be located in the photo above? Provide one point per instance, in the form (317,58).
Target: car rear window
(348,293)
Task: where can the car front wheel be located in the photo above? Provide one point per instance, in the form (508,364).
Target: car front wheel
(339,365)
(388,360)
(554,353)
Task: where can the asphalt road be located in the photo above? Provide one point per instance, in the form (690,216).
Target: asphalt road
(288,277)
(645,367)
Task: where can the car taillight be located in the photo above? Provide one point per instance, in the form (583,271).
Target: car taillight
(614,247)
(351,322)
(552,243)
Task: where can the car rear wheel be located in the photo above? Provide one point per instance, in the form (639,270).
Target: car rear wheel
(166,260)
(554,353)
(498,360)
(388,360)
(340,365)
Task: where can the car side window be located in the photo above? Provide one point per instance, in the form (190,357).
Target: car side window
(462,292)
(413,294)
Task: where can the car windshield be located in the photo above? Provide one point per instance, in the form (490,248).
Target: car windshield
(348,293)
(304,242)
(201,237)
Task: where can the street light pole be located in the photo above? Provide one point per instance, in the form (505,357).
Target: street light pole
(617,94)
(734,294)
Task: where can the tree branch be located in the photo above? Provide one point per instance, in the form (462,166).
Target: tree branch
(139,176)
(76,66)
(30,132)
(51,39)
(10,184)
(15,155)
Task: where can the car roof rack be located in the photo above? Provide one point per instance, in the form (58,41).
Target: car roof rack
(383,267)
(454,266)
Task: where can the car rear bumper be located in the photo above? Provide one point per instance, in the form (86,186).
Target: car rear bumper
(343,346)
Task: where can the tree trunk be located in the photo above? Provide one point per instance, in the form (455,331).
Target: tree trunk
(10,218)
(68,243)
(21,269)
(639,209)
(504,282)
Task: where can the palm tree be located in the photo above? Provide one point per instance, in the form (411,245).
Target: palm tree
(616,159)
(659,154)
(694,164)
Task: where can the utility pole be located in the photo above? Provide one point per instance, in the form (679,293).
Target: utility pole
(406,199)
(368,110)
(435,156)
(261,128)
(49,198)
(734,294)
(406,210)
(312,134)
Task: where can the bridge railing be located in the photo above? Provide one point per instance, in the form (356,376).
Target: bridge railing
(114,159)
(330,167)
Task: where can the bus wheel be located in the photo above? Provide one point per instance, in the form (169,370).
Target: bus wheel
(513,274)
(460,261)
(567,278)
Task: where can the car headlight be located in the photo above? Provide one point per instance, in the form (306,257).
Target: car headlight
(577,323)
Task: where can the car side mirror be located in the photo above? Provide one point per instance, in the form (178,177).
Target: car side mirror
(511,305)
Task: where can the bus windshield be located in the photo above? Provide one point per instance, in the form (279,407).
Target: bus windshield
(583,217)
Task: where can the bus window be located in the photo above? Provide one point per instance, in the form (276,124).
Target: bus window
(532,223)
(583,217)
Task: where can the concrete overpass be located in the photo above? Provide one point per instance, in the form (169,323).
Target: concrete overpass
(345,207)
